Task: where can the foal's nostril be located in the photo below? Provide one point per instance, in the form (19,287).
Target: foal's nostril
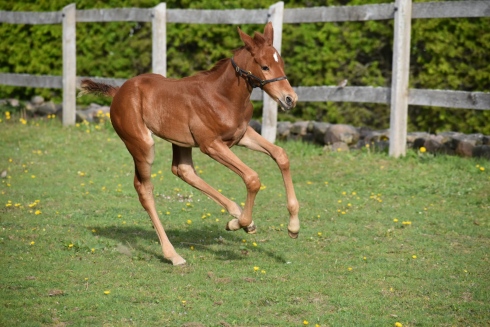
(289,100)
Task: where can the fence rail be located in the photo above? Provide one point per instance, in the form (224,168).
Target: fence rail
(160,16)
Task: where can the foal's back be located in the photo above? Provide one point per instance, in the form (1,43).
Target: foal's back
(185,111)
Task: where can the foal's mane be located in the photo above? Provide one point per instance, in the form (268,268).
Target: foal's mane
(220,63)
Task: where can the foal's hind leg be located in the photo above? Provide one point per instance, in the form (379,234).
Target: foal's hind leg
(142,150)
(183,167)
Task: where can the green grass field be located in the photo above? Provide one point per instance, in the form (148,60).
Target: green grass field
(383,240)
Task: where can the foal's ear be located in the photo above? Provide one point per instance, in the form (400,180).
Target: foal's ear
(249,42)
(269,33)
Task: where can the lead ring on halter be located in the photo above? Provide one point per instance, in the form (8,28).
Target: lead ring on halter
(252,80)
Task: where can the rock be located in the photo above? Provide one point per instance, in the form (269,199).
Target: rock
(433,146)
(464,149)
(417,137)
(341,133)
(337,147)
(377,136)
(14,102)
(81,115)
(300,128)
(46,108)
(318,130)
(255,125)
(481,151)
(283,130)
(381,146)
(37,100)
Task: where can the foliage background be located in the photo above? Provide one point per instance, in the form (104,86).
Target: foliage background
(445,54)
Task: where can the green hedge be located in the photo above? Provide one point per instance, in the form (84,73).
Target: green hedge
(445,54)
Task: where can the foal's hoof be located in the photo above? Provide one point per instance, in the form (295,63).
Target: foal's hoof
(177,260)
(293,235)
(250,229)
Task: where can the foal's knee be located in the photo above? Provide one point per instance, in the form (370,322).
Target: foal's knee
(282,159)
(252,182)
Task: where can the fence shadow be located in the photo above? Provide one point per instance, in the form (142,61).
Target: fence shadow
(223,245)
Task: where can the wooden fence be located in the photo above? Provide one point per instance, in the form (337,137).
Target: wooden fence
(398,96)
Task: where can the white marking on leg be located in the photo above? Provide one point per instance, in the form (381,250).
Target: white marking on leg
(275,57)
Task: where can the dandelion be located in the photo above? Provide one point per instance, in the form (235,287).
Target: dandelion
(188,204)
(107,292)
(422,149)
(349,269)
(414,256)
(406,223)
(244,241)
(354,193)
(32,243)
(223,210)
(167,213)
(94,230)
(309,182)
(364,258)
(319,233)
(37,212)
(184,302)
(262,187)
(305,322)
(33,176)
(70,245)
(192,248)
(242,204)
(92,250)
(189,221)
(395,220)
(262,271)
(256,268)
(119,216)
(254,244)
(482,168)
(398,324)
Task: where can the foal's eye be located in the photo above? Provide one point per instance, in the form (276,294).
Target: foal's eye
(265,67)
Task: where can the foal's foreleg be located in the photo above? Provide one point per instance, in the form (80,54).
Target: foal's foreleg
(183,167)
(254,141)
(221,153)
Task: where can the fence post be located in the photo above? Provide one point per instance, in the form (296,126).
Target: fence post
(269,111)
(159,39)
(400,73)
(69,64)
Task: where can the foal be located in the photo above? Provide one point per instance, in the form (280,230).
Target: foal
(210,110)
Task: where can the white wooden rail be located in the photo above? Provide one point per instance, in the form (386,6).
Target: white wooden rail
(398,96)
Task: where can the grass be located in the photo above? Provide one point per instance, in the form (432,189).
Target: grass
(383,240)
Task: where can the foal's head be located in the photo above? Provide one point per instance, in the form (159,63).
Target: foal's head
(268,65)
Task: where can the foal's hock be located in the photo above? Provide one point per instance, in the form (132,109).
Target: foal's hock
(210,110)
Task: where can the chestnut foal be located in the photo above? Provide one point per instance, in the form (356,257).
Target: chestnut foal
(210,110)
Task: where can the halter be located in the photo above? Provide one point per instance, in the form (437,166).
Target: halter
(253,80)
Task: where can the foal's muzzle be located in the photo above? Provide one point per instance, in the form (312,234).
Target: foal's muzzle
(288,101)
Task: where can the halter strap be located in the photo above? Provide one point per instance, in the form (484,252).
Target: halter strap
(253,80)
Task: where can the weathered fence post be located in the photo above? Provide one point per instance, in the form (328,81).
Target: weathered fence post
(400,73)
(69,64)
(269,111)
(159,39)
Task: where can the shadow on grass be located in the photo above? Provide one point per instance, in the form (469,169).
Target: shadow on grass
(223,245)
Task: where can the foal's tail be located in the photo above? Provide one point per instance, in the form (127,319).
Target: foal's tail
(88,86)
